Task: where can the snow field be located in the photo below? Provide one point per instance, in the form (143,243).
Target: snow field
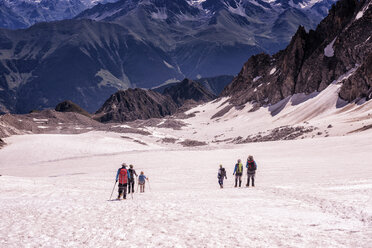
(310,193)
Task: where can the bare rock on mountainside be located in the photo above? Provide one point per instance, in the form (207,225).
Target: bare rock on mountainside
(2,144)
(192,143)
(279,133)
(340,45)
(133,104)
(47,121)
(68,106)
(188,90)
(172,124)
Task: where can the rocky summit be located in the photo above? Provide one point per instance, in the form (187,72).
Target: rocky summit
(68,106)
(133,104)
(338,51)
(188,90)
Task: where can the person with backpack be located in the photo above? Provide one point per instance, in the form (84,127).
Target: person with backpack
(122,176)
(141,181)
(238,172)
(132,173)
(221,175)
(251,169)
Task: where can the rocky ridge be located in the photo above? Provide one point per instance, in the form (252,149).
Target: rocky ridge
(133,104)
(68,106)
(338,51)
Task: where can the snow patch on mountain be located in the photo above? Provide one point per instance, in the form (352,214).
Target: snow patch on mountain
(168,65)
(328,50)
(239,10)
(160,14)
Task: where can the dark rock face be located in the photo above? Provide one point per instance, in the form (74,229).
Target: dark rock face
(216,84)
(68,106)
(133,104)
(341,44)
(188,90)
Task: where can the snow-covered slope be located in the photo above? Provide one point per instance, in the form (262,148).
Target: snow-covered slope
(309,193)
(313,191)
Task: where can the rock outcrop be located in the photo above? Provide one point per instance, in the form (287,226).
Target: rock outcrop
(68,106)
(339,50)
(188,90)
(133,104)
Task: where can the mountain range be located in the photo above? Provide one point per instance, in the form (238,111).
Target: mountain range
(339,51)
(132,43)
(16,14)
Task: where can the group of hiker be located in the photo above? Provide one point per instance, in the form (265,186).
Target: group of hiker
(238,172)
(125,177)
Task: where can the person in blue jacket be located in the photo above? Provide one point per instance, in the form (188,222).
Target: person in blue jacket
(251,170)
(141,181)
(123,177)
(238,172)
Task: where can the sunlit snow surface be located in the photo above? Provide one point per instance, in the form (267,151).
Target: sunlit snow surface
(311,192)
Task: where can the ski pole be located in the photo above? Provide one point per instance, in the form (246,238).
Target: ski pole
(113,189)
(149,185)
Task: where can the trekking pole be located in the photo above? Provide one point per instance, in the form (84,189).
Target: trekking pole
(113,189)
(149,185)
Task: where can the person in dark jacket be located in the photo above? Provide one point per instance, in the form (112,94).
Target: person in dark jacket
(238,172)
(251,170)
(132,173)
(221,175)
(122,176)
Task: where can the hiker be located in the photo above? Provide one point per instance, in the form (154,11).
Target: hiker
(238,172)
(132,173)
(221,175)
(122,175)
(141,181)
(251,169)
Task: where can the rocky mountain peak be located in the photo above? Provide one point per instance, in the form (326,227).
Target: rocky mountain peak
(188,90)
(69,106)
(338,51)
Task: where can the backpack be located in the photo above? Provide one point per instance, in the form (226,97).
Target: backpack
(251,166)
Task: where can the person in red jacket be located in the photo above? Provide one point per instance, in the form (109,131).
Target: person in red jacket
(122,176)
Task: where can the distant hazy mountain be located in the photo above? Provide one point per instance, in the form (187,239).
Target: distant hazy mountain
(16,14)
(206,37)
(140,43)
